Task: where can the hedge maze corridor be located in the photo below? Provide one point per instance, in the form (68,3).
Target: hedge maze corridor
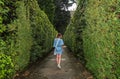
(92,37)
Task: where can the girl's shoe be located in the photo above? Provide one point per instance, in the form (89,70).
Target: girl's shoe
(59,66)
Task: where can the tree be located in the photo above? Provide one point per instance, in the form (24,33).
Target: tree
(48,7)
(62,16)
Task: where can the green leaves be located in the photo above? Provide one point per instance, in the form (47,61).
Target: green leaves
(25,34)
(1,2)
(43,32)
(48,7)
(2,28)
(6,67)
(97,33)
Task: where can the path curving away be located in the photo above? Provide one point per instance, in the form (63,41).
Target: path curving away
(47,69)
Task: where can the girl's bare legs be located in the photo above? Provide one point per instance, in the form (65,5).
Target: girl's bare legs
(58,59)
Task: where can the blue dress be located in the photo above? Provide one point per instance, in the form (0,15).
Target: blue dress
(58,45)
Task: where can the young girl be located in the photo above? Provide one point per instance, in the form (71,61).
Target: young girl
(58,43)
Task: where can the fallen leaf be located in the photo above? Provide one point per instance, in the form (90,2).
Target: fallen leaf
(26,73)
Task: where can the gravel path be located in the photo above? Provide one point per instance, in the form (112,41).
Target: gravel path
(47,69)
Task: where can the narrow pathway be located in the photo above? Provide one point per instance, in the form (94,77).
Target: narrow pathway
(47,69)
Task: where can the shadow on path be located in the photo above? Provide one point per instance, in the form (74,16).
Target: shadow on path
(47,69)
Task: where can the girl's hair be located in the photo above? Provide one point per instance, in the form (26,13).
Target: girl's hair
(58,35)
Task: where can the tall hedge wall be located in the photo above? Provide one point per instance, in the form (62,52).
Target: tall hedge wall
(95,29)
(15,34)
(48,6)
(42,31)
(73,34)
(25,34)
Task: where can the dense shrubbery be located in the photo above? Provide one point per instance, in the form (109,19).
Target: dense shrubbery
(48,7)
(23,37)
(42,32)
(7,33)
(61,17)
(25,32)
(73,35)
(6,67)
(95,28)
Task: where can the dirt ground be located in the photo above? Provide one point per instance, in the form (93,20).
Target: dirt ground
(47,69)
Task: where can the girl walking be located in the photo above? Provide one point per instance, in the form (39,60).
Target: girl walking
(58,43)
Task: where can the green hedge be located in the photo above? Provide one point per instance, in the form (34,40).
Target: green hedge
(48,6)
(96,25)
(43,32)
(117,44)
(28,35)
(6,67)
(14,41)
(73,35)
(23,37)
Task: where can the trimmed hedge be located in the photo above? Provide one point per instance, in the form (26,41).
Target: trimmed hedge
(43,32)
(14,38)
(27,36)
(6,67)
(23,37)
(73,35)
(95,27)
(48,6)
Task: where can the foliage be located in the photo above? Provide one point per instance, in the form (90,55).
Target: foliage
(59,18)
(6,64)
(8,11)
(48,7)
(95,27)
(43,32)
(23,34)
(73,35)
(6,67)
(23,37)
(62,17)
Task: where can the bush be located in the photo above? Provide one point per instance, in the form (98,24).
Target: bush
(22,30)
(28,35)
(74,33)
(96,29)
(48,7)
(43,32)
(6,67)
